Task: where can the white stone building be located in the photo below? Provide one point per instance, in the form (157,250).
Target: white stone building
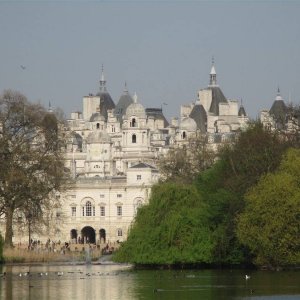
(112,152)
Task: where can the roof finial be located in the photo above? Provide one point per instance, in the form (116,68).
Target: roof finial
(102,81)
(50,110)
(213,74)
(125,87)
(278,96)
(135,98)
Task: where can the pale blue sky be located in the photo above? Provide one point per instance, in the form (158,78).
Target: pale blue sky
(162,49)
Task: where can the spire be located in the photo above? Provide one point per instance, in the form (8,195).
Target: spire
(102,81)
(213,74)
(242,112)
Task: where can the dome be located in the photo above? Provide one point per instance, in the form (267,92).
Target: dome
(108,102)
(198,114)
(97,117)
(76,139)
(136,109)
(98,137)
(188,124)
(124,101)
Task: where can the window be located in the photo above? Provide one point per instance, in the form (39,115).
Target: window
(98,125)
(119,195)
(137,203)
(133,139)
(184,135)
(120,233)
(88,209)
(119,210)
(73,211)
(138,177)
(102,211)
(133,122)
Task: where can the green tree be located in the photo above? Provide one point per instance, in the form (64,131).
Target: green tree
(32,159)
(221,206)
(256,152)
(184,163)
(270,224)
(172,229)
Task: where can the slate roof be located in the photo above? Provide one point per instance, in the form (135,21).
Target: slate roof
(142,165)
(106,103)
(157,113)
(124,101)
(278,110)
(198,114)
(242,111)
(217,97)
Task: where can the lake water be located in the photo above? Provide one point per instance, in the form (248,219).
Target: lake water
(116,282)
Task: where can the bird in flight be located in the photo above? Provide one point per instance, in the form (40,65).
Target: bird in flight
(23,67)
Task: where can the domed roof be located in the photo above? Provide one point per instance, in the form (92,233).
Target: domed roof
(198,114)
(106,102)
(124,101)
(98,137)
(278,109)
(188,124)
(136,109)
(97,117)
(242,112)
(76,139)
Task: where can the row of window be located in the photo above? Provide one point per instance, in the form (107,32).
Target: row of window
(139,177)
(89,211)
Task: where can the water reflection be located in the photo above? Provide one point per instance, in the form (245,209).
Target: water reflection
(120,282)
(77,282)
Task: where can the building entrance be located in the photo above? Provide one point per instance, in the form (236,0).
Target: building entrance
(88,235)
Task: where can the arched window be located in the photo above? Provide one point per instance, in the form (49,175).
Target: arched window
(138,202)
(184,135)
(133,122)
(98,126)
(133,139)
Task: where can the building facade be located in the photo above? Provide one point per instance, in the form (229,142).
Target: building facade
(112,152)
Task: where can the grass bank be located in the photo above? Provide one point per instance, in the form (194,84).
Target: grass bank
(14,255)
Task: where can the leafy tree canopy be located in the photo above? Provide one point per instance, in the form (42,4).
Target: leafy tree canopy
(269,226)
(172,229)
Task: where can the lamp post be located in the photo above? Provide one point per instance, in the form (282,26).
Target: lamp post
(29,218)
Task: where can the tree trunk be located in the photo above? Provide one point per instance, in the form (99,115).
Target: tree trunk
(8,228)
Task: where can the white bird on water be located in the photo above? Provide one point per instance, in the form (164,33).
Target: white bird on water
(247,277)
